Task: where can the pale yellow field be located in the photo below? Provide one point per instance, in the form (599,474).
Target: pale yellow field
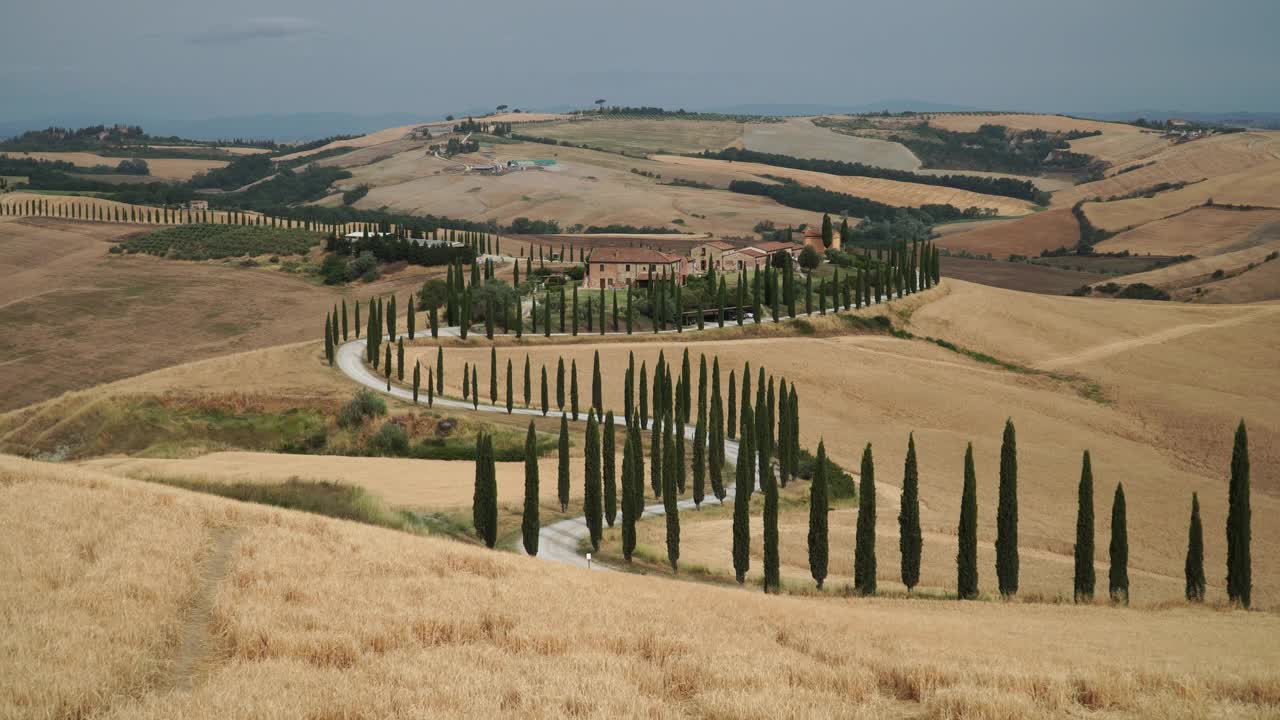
(1258,186)
(1203,232)
(800,137)
(401,482)
(588,187)
(161,168)
(891,192)
(1028,236)
(969,122)
(511,117)
(641,135)
(1189,275)
(133,600)
(232,150)
(374,138)
(1239,154)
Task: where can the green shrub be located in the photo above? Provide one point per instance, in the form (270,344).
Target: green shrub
(840,485)
(215,242)
(391,439)
(366,403)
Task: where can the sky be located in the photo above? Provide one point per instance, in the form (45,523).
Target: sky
(147,61)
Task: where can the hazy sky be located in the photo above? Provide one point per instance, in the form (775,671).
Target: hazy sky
(147,59)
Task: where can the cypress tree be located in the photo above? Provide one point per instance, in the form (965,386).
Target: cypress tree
(644,396)
(967,554)
(1239,520)
(528,383)
(772,574)
(328,340)
(399,359)
(742,511)
(748,438)
(1195,554)
(909,537)
(560,384)
(573,389)
(656,457)
(1084,576)
(1007,515)
(417,380)
(680,458)
(493,375)
(607,460)
(510,389)
(431,389)
(700,458)
(597,389)
(628,496)
(544,391)
(686,380)
(391,319)
(628,391)
(784,438)
(818,509)
(387,366)
(670,500)
(466,380)
(864,558)
(1119,584)
(344,320)
(730,427)
(440,369)
(479,500)
(435,323)
(575,312)
(592,485)
(562,486)
(715,449)
(411,318)
(475,389)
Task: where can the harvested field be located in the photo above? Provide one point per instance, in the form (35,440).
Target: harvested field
(78,316)
(219,148)
(1202,231)
(1258,187)
(1261,283)
(307,616)
(1194,281)
(586,187)
(890,192)
(1027,236)
(799,137)
(638,136)
(1020,276)
(969,122)
(374,138)
(161,168)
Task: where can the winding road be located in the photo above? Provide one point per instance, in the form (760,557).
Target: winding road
(558,541)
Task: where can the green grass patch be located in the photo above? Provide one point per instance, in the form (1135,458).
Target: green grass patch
(212,242)
(331,499)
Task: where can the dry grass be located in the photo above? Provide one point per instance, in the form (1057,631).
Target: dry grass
(312,617)
(1028,236)
(891,192)
(641,136)
(161,168)
(799,137)
(374,138)
(1203,232)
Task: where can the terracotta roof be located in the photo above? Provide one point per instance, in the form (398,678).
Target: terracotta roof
(635,255)
(720,245)
(751,252)
(775,246)
(812,231)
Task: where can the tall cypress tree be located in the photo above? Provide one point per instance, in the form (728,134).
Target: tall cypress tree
(772,561)
(656,457)
(700,458)
(1084,577)
(1195,554)
(1119,584)
(818,509)
(715,449)
(670,501)
(544,391)
(475,389)
(593,482)
(573,389)
(1239,520)
(1007,515)
(439,370)
(510,389)
(732,417)
(479,499)
(328,340)
(560,384)
(909,536)
(597,386)
(417,380)
(607,460)
(864,555)
(967,554)
(644,396)
(745,478)
(562,486)
(344,320)
(493,375)
(628,496)
(399,359)
(528,383)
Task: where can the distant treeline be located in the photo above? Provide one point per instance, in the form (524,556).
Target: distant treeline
(397,249)
(816,199)
(1005,187)
(657,112)
(996,148)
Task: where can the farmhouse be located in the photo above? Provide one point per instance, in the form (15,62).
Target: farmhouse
(198,205)
(707,255)
(790,248)
(615,267)
(813,239)
(747,258)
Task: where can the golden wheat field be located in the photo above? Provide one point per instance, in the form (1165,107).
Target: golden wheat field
(1202,231)
(174,604)
(1028,236)
(161,168)
(363,141)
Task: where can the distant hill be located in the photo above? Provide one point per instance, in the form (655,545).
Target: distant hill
(1242,118)
(834,109)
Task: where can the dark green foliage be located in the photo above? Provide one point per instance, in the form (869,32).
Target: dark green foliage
(1195,554)
(560,384)
(417,380)
(607,460)
(1007,515)
(1084,576)
(700,457)
(745,478)
(819,506)
(772,561)
(484,505)
(670,500)
(530,524)
(629,511)
(967,554)
(493,375)
(910,540)
(644,396)
(562,485)
(864,556)
(680,466)
(593,482)
(528,382)
(732,417)
(597,389)
(215,242)
(1119,579)
(439,370)
(655,457)
(1239,518)
(510,389)
(544,391)
(573,389)
(328,340)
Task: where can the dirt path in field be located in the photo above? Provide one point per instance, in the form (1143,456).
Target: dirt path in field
(196,642)
(1108,349)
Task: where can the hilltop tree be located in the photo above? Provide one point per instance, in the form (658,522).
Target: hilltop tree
(1119,584)
(562,486)
(1195,554)
(1239,519)
(864,555)
(610,476)
(818,509)
(909,537)
(592,485)
(530,524)
(967,555)
(1084,578)
(1007,515)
